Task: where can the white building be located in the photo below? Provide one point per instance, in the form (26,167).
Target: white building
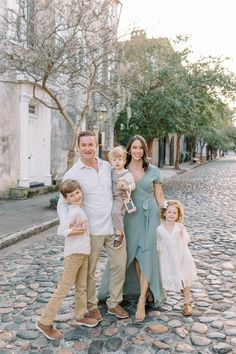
(34,140)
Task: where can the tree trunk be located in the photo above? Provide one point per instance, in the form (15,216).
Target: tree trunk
(71,156)
(201,147)
(72,151)
(177,159)
(191,145)
(149,146)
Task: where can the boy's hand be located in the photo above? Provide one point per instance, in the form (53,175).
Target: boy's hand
(78,229)
(123,186)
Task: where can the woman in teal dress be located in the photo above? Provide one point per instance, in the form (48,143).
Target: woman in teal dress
(143,271)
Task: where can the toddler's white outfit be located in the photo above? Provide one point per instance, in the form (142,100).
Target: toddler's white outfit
(178,269)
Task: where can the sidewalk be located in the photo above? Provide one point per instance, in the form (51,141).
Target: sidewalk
(20,219)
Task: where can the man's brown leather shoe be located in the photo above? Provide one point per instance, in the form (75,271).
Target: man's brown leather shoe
(118,311)
(96,314)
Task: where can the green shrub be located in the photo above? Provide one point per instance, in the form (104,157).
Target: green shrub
(53,202)
(187,156)
(182,156)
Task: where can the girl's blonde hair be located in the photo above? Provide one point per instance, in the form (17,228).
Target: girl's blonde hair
(179,207)
(117,151)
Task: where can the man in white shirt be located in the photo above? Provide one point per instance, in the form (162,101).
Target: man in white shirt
(94,176)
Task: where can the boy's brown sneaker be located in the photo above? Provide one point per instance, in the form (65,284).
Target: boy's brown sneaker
(87,321)
(49,331)
(96,314)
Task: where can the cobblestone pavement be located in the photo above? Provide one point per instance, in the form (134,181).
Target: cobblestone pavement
(30,271)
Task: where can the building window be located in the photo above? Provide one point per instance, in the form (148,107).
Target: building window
(32,109)
(25,21)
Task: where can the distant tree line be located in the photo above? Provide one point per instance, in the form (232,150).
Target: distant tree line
(168,93)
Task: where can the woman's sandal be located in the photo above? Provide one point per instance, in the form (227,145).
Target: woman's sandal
(140,312)
(187,310)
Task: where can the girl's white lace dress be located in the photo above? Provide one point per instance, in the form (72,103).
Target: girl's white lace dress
(177,265)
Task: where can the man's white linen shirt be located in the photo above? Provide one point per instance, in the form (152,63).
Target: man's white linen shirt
(97,196)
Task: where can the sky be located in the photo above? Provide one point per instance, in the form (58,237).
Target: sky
(210,23)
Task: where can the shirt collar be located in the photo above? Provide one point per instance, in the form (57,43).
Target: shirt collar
(81,164)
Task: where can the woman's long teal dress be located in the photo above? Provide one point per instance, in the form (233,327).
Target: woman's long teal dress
(141,241)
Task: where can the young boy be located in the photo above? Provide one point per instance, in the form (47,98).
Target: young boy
(122,185)
(76,251)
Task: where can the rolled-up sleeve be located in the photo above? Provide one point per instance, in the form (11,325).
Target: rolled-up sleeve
(157,178)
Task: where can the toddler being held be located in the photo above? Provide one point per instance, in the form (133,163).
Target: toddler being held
(122,185)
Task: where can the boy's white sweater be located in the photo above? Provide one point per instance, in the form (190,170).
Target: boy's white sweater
(75,243)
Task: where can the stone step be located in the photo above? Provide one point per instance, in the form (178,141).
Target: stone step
(24,193)
(42,190)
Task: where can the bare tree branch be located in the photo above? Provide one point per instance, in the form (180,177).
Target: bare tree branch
(59,47)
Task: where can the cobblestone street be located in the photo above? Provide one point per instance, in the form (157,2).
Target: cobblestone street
(30,271)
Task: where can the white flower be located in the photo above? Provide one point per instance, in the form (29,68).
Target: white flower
(165,204)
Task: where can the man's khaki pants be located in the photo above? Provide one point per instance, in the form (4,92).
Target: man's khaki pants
(117,260)
(75,273)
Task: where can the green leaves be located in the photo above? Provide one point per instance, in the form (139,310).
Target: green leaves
(168,97)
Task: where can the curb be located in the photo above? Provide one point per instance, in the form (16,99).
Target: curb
(10,239)
(178,172)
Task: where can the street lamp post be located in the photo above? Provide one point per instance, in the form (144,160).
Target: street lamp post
(99,141)
(102,112)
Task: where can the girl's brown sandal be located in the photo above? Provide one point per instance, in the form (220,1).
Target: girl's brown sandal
(187,310)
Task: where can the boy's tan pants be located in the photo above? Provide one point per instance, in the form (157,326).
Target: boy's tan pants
(75,273)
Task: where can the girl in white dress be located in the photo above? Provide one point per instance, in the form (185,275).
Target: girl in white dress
(177,265)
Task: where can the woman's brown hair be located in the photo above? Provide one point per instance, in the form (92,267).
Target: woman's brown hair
(145,150)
